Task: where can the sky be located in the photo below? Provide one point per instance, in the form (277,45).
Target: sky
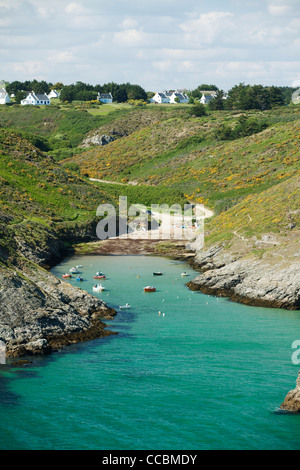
(157,44)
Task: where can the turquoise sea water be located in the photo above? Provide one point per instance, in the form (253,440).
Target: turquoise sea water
(204,374)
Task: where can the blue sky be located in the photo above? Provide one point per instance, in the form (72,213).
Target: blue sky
(158,44)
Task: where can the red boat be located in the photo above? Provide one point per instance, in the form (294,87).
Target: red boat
(149,289)
(66,275)
(100,275)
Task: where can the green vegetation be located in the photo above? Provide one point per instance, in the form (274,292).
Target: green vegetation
(54,129)
(186,153)
(233,161)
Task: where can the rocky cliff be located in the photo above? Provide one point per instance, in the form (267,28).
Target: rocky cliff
(39,313)
(291,402)
(270,280)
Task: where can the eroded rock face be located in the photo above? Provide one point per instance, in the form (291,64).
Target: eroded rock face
(40,313)
(291,402)
(97,139)
(248,281)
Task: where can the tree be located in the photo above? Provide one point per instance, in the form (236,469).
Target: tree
(14,87)
(19,96)
(67,93)
(198,110)
(276,96)
(57,86)
(206,87)
(217,102)
(245,97)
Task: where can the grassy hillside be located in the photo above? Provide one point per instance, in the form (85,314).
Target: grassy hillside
(58,129)
(275,210)
(165,152)
(184,152)
(39,198)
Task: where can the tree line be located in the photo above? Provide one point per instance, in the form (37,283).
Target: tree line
(242,97)
(245,97)
(80,91)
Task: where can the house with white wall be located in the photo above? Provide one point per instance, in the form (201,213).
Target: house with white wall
(177,97)
(169,97)
(105,98)
(53,94)
(205,99)
(160,98)
(4,96)
(35,99)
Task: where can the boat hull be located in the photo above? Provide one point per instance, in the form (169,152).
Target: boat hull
(149,289)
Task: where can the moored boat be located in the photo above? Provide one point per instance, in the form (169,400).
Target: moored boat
(157,273)
(74,271)
(98,288)
(66,275)
(184,274)
(123,307)
(79,278)
(100,275)
(149,289)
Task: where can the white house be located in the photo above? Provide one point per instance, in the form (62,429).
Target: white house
(160,98)
(35,99)
(205,99)
(4,96)
(105,97)
(169,97)
(53,94)
(177,97)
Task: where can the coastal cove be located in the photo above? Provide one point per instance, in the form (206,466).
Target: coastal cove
(205,373)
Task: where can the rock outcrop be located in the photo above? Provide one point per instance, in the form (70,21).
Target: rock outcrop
(97,139)
(291,402)
(248,280)
(40,313)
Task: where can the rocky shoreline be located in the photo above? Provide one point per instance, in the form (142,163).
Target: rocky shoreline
(40,314)
(257,282)
(291,403)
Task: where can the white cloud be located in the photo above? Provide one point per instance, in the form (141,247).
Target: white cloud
(130,38)
(208,27)
(75,9)
(279,10)
(129,23)
(61,57)
(151,42)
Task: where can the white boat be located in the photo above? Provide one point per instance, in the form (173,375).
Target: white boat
(123,307)
(98,288)
(184,274)
(74,271)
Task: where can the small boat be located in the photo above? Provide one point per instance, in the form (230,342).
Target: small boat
(149,289)
(100,275)
(124,306)
(157,273)
(66,275)
(98,288)
(79,278)
(184,274)
(79,266)
(74,271)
